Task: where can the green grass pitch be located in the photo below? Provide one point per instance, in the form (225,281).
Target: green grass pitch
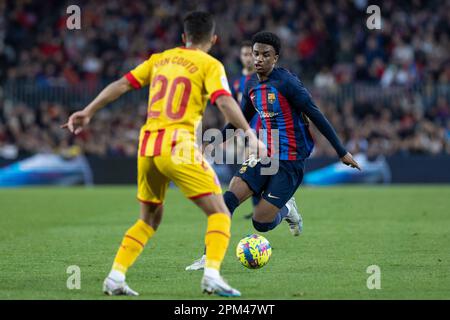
(405,230)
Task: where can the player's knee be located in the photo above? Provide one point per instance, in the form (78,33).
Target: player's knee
(240,189)
(262,226)
(212,204)
(151,214)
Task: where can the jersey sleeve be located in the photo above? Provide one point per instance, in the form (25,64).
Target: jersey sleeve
(140,76)
(216,82)
(301,100)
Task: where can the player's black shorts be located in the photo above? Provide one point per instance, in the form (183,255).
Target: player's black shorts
(278,188)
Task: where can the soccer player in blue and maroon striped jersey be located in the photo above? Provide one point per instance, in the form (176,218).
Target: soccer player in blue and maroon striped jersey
(285,108)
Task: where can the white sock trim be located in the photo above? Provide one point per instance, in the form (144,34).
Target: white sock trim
(117,276)
(212,273)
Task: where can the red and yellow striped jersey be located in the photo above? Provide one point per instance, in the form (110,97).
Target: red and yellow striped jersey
(180,80)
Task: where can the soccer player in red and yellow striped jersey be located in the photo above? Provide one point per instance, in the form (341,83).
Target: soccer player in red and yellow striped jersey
(181,80)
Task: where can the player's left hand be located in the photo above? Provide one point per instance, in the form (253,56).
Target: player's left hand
(349,161)
(77,121)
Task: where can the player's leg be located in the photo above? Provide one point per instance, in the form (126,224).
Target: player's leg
(152,186)
(255,201)
(239,191)
(217,230)
(198,182)
(152,214)
(267,216)
(247,182)
(137,236)
(278,202)
(216,243)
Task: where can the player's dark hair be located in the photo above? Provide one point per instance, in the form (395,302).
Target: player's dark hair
(199,26)
(268,38)
(246,43)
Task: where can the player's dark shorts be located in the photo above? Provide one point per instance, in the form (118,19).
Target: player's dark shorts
(277,189)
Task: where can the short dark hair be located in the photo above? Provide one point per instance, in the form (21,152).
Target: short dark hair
(246,43)
(267,38)
(199,26)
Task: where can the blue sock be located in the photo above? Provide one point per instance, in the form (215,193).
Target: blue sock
(267,226)
(282,213)
(231,201)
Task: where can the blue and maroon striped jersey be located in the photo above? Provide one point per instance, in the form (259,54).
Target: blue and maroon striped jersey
(237,90)
(284,106)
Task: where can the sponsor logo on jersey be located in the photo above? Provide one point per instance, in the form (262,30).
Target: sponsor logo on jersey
(268,114)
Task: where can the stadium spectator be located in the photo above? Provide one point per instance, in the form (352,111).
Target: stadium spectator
(414,37)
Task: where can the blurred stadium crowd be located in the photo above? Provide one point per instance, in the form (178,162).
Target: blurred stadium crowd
(326,43)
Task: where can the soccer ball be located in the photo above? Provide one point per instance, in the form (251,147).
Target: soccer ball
(253,251)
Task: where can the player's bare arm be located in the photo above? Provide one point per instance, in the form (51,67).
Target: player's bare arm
(233,114)
(80,119)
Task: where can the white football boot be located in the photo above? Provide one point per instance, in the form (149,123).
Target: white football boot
(293,218)
(218,286)
(114,288)
(197,264)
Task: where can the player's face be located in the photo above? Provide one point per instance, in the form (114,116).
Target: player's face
(247,58)
(264,58)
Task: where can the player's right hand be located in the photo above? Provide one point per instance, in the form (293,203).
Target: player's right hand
(349,161)
(256,146)
(77,121)
(262,149)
